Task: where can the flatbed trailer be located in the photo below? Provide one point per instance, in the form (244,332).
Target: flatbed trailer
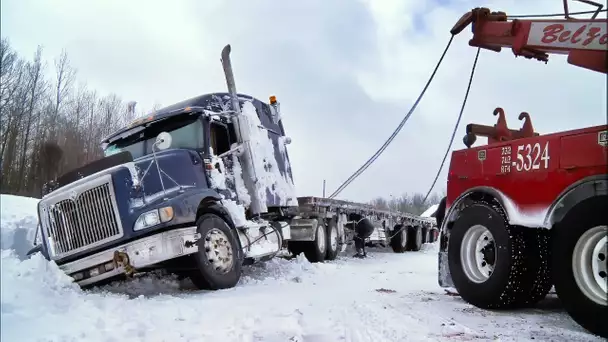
(344,223)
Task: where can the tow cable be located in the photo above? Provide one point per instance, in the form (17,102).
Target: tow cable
(464,102)
(397,130)
(122,259)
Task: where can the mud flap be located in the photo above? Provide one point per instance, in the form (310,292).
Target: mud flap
(445,278)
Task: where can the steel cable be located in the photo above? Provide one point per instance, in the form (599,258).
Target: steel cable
(464,102)
(397,130)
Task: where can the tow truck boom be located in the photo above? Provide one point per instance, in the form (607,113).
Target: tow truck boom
(585,41)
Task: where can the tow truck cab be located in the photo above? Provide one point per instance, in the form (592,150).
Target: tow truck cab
(138,206)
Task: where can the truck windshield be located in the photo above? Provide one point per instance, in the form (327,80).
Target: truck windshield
(186,132)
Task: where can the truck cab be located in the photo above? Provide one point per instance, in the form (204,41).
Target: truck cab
(175,190)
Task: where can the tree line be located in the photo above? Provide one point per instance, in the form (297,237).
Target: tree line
(50,123)
(407,203)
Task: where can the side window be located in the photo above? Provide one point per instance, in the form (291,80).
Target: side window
(219,138)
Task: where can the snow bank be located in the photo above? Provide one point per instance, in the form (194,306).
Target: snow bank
(385,297)
(18,222)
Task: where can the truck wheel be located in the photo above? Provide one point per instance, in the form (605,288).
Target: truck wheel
(218,260)
(415,238)
(399,239)
(434,235)
(332,241)
(315,250)
(538,268)
(425,235)
(484,257)
(579,264)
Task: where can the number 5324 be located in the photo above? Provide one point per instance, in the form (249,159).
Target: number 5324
(532,157)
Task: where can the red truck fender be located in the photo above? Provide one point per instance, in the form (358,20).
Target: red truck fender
(577,192)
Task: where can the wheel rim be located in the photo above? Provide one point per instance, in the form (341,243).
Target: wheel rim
(478,254)
(321,238)
(218,250)
(403,236)
(418,236)
(333,238)
(589,264)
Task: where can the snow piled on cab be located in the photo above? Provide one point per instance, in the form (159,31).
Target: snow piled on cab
(236,211)
(269,176)
(239,184)
(18,223)
(217,178)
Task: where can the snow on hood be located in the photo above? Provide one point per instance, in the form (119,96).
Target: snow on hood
(18,223)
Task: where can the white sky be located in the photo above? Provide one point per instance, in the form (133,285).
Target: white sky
(345,72)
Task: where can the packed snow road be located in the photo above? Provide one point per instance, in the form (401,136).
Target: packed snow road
(386,297)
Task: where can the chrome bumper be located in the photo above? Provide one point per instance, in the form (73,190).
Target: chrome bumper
(141,253)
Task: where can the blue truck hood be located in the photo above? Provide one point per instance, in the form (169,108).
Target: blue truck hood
(179,169)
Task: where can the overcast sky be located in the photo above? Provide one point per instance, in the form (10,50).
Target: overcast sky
(345,72)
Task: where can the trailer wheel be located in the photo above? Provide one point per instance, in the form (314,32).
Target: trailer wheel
(415,238)
(425,235)
(485,258)
(332,241)
(218,260)
(399,239)
(434,235)
(315,250)
(580,248)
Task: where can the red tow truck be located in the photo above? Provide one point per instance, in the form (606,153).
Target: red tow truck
(528,211)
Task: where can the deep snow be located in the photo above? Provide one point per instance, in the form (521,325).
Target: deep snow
(18,220)
(386,297)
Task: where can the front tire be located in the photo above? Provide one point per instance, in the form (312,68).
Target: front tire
(219,258)
(579,264)
(484,257)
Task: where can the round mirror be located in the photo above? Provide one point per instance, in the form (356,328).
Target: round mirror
(163,141)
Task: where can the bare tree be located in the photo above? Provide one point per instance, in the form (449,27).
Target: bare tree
(46,131)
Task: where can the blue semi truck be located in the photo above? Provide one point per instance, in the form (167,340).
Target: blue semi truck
(202,188)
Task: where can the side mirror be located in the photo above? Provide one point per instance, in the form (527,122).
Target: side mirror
(469,139)
(163,141)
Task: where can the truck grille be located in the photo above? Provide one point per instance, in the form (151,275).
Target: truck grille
(82,218)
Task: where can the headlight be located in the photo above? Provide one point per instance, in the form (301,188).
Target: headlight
(153,217)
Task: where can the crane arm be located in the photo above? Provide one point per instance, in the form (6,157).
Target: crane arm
(585,41)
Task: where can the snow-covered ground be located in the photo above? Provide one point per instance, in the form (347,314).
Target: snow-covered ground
(386,297)
(19,220)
